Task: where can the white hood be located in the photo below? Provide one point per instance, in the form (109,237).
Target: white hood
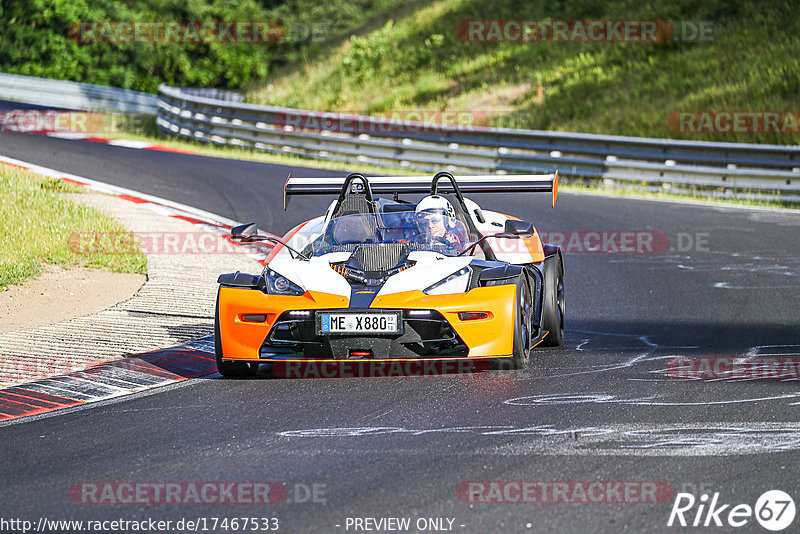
(317,275)
(429,269)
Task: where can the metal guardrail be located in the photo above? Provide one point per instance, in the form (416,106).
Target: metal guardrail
(220,117)
(377,140)
(72,95)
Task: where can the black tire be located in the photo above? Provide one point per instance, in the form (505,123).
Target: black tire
(229,369)
(522,324)
(553,305)
(522,328)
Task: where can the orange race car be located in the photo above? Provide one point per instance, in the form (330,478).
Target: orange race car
(390,280)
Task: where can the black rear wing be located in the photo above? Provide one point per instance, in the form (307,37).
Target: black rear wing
(358,183)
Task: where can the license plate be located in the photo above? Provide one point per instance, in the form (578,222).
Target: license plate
(358,323)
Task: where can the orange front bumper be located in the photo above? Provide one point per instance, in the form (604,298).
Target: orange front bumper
(490,337)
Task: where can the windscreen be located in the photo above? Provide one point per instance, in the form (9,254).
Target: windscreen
(429,232)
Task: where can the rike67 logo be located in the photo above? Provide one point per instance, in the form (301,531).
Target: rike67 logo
(774,510)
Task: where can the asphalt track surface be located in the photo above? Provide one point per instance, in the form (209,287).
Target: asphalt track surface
(600,408)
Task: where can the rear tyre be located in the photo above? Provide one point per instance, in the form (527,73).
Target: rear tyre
(230,369)
(554,305)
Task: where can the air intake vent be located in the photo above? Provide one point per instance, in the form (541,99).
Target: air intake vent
(380,257)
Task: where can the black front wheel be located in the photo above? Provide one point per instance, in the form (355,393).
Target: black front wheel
(521,349)
(522,325)
(230,369)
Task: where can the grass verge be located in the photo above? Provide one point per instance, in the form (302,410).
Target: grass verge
(418,60)
(37,220)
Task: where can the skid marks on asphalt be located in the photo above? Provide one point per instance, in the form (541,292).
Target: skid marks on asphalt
(602,352)
(758,270)
(625,439)
(639,356)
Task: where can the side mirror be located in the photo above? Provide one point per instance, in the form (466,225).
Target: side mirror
(512,229)
(243,232)
(518,228)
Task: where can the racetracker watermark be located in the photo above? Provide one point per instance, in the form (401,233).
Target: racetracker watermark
(607,241)
(195,32)
(731,121)
(158,243)
(49,121)
(611,242)
(583,31)
(209,492)
(735,368)
(379,369)
(564,491)
(570,241)
(28,368)
(398,121)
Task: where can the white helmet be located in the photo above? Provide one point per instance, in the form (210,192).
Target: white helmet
(435,204)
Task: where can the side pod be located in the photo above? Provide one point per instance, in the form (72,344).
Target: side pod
(495,274)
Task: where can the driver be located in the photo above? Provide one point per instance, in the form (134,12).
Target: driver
(436,220)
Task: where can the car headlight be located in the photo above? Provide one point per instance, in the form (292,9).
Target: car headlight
(455,283)
(280,285)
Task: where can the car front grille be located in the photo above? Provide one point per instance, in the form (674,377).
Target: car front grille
(429,336)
